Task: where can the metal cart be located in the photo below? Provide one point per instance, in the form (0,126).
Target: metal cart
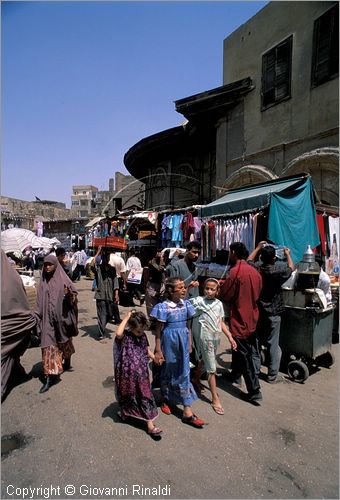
(306,340)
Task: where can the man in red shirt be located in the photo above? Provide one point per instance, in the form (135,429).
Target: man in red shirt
(241,290)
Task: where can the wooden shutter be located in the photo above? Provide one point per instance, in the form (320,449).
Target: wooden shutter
(325,64)
(276,73)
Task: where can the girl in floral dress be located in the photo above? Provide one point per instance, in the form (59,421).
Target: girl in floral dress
(173,347)
(131,354)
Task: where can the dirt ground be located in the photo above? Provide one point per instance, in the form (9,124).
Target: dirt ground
(71,444)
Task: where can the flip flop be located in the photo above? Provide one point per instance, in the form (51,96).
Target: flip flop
(218,409)
(155,431)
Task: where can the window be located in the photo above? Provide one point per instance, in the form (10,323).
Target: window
(325,63)
(75,203)
(84,203)
(276,73)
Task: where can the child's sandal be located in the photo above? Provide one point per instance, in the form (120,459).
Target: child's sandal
(194,421)
(155,431)
(121,416)
(166,409)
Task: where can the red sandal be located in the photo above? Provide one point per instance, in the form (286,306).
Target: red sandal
(166,409)
(194,421)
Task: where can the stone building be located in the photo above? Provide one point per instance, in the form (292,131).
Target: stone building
(124,192)
(275,115)
(23,214)
(83,200)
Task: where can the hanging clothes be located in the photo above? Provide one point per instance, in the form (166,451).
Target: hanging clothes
(321,227)
(187,226)
(333,224)
(177,235)
(197,228)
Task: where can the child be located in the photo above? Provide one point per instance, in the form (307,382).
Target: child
(211,314)
(130,353)
(173,346)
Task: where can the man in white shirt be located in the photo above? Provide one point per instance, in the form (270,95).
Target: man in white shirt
(118,263)
(324,282)
(134,264)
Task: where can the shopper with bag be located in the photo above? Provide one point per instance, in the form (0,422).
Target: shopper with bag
(135,275)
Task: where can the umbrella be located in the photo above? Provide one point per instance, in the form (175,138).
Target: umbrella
(49,242)
(17,239)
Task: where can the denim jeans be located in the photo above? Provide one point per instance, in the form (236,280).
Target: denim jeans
(269,334)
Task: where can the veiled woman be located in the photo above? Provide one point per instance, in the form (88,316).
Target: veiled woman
(17,322)
(58,314)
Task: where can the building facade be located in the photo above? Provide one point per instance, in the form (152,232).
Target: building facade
(289,122)
(275,115)
(83,200)
(124,192)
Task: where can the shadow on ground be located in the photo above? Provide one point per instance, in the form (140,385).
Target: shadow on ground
(90,331)
(112,410)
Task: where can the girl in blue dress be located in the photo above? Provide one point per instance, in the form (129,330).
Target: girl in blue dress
(173,347)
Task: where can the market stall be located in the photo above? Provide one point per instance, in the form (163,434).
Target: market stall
(107,232)
(282,212)
(141,234)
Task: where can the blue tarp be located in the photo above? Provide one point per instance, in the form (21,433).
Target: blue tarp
(248,198)
(292,219)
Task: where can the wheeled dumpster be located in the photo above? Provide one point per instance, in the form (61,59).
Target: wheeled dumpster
(306,339)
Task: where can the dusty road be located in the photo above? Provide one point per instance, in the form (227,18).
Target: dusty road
(76,447)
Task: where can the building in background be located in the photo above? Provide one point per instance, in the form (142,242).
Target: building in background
(289,122)
(23,214)
(276,114)
(125,193)
(83,200)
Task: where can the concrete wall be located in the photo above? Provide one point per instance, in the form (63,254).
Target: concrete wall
(307,122)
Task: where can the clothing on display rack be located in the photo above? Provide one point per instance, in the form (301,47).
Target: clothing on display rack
(218,234)
(177,229)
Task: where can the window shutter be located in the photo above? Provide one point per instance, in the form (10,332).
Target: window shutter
(276,73)
(325,63)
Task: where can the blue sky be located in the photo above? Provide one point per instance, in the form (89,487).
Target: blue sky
(82,82)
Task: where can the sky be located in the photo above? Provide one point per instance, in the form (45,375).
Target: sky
(82,82)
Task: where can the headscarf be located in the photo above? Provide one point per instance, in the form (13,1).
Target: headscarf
(17,320)
(16,316)
(56,314)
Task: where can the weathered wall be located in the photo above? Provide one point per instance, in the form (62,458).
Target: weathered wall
(23,213)
(276,137)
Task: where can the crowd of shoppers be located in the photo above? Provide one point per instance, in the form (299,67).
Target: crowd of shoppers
(187,326)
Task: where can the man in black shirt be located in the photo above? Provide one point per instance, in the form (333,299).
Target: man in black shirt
(106,294)
(274,274)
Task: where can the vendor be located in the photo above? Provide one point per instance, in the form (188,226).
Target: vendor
(324,282)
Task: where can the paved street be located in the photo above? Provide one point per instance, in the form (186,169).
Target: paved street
(76,447)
